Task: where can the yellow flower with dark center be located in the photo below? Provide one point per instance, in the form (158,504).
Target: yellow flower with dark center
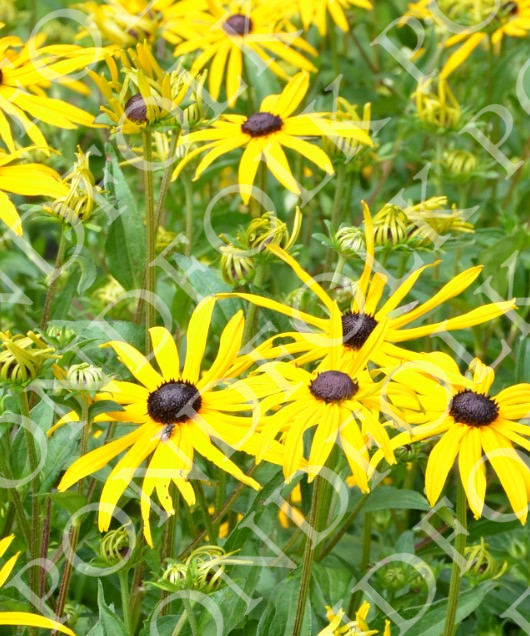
(512,19)
(23,619)
(127,22)
(339,399)
(30,179)
(26,72)
(265,134)
(147,94)
(472,425)
(365,313)
(177,413)
(229,31)
(316,12)
(358,627)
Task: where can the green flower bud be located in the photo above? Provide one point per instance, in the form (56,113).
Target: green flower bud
(350,241)
(85,377)
(483,565)
(114,546)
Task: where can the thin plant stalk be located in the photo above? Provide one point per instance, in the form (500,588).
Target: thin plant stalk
(338,202)
(309,556)
(50,295)
(151,231)
(252,312)
(203,506)
(5,470)
(343,529)
(123,575)
(76,527)
(460,546)
(164,187)
(365,559)
(188,197)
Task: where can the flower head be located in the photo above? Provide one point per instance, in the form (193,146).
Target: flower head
(266,133)
(22,357)
(176,413)
(472,425)
(358,627)
(316,12)
(147,95)
(228,31)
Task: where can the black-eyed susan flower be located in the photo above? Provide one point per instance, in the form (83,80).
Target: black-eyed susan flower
(339,400)
(228,31)
(367,311)
(30,179)
(511,19)
(177,413)
(473,425)
(358,627)
(316,12)
(127,22)
(145,94)
(265,134)
(23,619)
(27,71)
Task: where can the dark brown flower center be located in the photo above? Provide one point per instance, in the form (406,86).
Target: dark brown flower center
(333,386)
(173,402)
(237,24)
(1,75)
(356,329)
(135,109)
(261,124)
(510,8)
(474,409)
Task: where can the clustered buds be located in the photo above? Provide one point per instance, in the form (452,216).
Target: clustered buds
(22,357)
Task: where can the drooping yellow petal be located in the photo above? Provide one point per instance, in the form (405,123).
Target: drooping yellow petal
(32,620)
(166,352)
(441,461)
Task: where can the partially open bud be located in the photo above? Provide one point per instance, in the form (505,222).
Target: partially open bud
(390,226)
(437,107)
(22,357)
(236,266)
(460,163)
(114,547)
(484,566)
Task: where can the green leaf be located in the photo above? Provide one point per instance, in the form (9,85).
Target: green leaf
(279,614)
(109,624)
(388,497)
(87,266)
(432,622)
(104,406)
(125,245)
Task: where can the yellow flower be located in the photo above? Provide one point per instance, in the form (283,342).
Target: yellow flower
(24,619)
(358,627)
(147,95)
(315,12)
(472,424)
(438,108)
(127,22)
(30,179)
(512,19)
(265,134)
(228,31)
(25,74)
(339,398)
(176,413)
(363,316)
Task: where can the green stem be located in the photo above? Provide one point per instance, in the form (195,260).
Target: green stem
(180,625)
(50,295)
(338,202)
(460,546)
(126,600)
(343,529)
(191,617)
(203,505)
(365,559)
(252,312)
(188,195)
(334,50)
(74,530)
(5,470)
(309,555)
(338,270)
(168,548)
(219,515)
(151,231)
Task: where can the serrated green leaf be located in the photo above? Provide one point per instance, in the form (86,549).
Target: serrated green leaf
(279,614)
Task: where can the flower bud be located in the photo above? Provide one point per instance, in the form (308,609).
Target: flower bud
(390,226)
(22,357)
(85,377)
(460,163)
(268,229)
(114,547)
(350,241)
(484,566)
(236,266)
